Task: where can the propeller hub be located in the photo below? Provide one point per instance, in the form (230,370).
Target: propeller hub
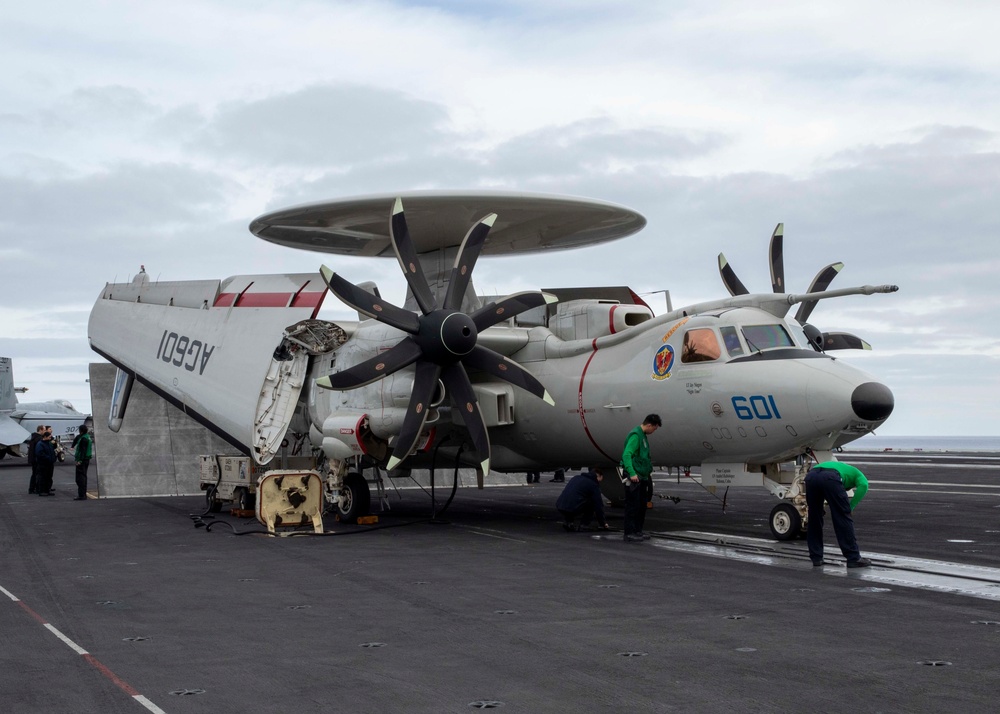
(446,336)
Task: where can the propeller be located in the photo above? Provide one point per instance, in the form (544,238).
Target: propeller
(441,341)
(821,341)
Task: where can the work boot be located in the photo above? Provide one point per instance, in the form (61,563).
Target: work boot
(643,535)
(633,538)
(859,563)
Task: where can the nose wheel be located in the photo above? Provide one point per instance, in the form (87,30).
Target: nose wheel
(785,521)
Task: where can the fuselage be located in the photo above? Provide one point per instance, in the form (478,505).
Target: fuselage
(62,417)
(735,385)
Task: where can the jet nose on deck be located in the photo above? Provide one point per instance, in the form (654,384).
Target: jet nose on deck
(872,401)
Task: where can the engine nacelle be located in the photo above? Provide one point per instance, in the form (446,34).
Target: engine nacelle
(347,435)
(589,319)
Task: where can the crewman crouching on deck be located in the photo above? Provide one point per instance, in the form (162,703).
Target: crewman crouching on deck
(830,481)
(582,499)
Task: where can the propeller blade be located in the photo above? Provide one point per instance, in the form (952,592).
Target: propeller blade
(402,354)
(458,386)
(406,254)
(465,261)
(424,384)
(843,341)
(506,369)
(494,312)
(371,305)
(729,279)
(777,259)
(820,283)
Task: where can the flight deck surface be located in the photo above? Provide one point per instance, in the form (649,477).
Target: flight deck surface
(123,605)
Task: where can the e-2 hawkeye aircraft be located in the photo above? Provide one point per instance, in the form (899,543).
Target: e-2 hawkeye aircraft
(535,380)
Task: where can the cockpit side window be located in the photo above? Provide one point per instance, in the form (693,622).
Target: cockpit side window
(765,337)
(700,345)
(732,340)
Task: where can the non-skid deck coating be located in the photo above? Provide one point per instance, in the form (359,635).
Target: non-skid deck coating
(124,606)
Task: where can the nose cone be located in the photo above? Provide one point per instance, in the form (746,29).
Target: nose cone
(872,401)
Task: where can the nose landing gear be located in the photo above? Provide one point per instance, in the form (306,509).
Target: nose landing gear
(786,522)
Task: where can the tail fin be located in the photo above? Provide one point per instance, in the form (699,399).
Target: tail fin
(8,400)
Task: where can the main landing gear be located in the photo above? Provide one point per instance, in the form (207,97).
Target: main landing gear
(355,498)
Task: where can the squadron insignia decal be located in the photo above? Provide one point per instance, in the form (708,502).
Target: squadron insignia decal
(663,361)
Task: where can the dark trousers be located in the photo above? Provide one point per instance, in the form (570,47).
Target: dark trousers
(825,485)
(635,505)
(533,476)
(646,495)
(33,483)
(81,478)
(44,479)
(585,513)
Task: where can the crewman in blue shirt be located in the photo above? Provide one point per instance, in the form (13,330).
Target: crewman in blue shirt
(582,499)
(830,481)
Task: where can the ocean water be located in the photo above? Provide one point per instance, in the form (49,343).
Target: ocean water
(876,442)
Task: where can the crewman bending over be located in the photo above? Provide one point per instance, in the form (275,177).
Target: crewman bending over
(830,481)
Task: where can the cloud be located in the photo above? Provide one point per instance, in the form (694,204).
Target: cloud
(324,126)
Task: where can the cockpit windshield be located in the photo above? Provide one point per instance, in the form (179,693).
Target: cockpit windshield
(700,345)
(799,334)
(732,340)
(766,337)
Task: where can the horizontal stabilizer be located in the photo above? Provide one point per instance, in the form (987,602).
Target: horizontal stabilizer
(12,434)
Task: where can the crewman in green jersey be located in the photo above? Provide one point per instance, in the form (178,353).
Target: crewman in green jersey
(830,481)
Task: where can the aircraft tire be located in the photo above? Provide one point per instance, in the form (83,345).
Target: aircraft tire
(785,522)
(245,500)
(355,498)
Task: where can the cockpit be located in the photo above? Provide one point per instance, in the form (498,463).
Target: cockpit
(707,344)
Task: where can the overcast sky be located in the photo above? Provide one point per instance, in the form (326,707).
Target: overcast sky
(152,133)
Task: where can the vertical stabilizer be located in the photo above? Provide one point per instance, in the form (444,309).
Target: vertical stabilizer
(8,400)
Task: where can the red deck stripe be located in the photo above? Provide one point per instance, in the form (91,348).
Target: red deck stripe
(41,620)
(94,662)
(110,675)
